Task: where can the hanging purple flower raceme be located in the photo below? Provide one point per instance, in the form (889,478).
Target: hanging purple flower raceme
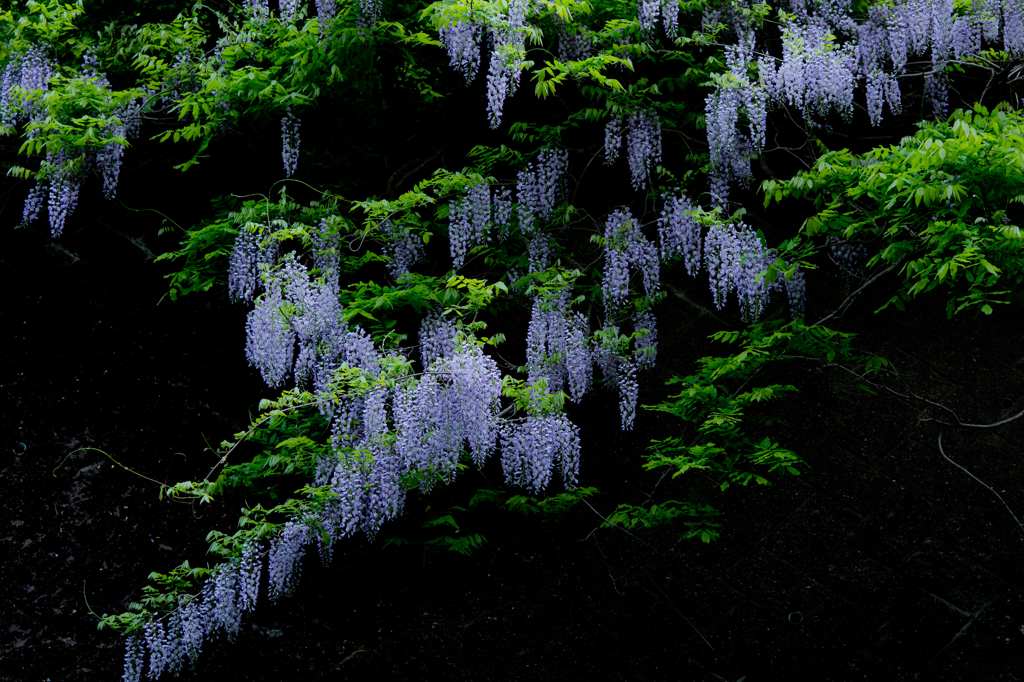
(66,170)
(226,611)
(573,47)
(730,149)
(325,12)
(34,201)
(134,661)
(285,559)
(545,340)
(538,187)
(1013,28)
(159,648)
(678,233)
(462,41)
(502,211)
(643,143)
(195,624)
(476,386)
(531,448)
(109,159)
(370,11)
(8,98)
(469,221)
(290,142)
(615,285)
(404,250)
(386,496)
(270,339)
(849,257)
(437,338)
(735,257)
(289,8)
(259,10)
(629,392)
(250,568)
(646,341)
(244,263)
(626,247)
(796,292)
(619,372)
(670,18)
(326,242)
(648,12)
(508,51)
(347,512)
(816,75)
(31,71)
(882,87)
(613,130)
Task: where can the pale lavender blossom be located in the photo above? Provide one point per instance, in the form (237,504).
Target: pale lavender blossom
(285,559)
(646,340)
(290,142)
(626,247)
(437,338)
(270,339)
(530,449)
(643,145)
(133,658)
(462,41)
(538,187)
(325,12)
(404,250)
(289,8)
(678,233)
(735,258)
(469,222)
(613,138)
(259,10)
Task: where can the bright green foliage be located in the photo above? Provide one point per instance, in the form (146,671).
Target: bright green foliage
(948,201)
(723,451)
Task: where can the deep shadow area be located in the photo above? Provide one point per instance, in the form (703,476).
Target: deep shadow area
(883,561)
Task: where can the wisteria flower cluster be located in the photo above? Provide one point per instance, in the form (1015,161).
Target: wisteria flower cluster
(325,13)
(25,73)
(508,52)
(573,46)
(619,369)
(849,257)
(556,347)
(469,221)
(530,449)
(229,593)
(735,257)
(678,233)
(290,142)
(626,247)
(730,148)
(538,187)
(649,11)
(249,257)
(643,143)
(462,41)
(404,250)
(259,10)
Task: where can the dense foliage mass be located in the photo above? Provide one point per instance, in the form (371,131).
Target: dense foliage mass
(372,293)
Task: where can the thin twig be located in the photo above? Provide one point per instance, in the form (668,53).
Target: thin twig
(941,452)
(849,299)
(615,525)
(678,611)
